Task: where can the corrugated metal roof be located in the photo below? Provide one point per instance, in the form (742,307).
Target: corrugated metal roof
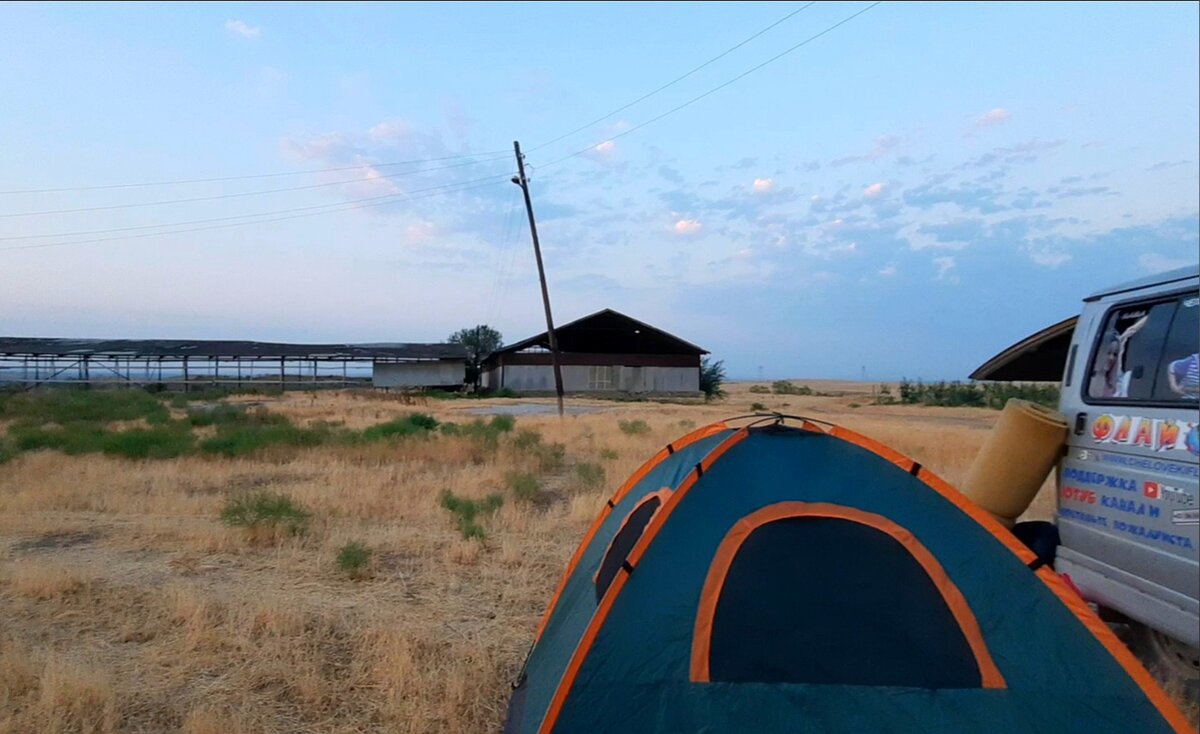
(607,332)
(180,348)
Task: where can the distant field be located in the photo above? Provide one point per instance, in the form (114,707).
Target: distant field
(129,606)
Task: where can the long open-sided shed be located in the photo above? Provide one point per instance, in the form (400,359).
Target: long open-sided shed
(35,361)
(604,352)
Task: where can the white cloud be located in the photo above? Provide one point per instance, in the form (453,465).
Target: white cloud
(420,232)
(874,190)
(605,148)
(687,227)
(241,29)
(745,254)
(944,265)
(890,271)
(1153,262)
(763,185)
(991,118)
(1049,258)
(393,131)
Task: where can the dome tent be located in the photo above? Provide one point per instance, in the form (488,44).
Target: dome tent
(780,578)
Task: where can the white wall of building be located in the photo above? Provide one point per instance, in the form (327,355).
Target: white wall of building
(583,378)
(418,374)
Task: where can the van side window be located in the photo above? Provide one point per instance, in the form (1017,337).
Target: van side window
(1179,371)
(1147,352)
(1126,357)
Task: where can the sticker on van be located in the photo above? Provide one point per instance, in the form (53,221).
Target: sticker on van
(1157,434)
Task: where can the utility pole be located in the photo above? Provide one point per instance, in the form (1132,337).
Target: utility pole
(523,182)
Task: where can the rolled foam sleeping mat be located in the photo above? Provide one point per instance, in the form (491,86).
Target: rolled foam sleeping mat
(1022,448)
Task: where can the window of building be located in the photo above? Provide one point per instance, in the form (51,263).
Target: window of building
(600,377)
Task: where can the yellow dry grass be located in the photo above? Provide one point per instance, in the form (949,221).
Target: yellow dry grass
(127,606)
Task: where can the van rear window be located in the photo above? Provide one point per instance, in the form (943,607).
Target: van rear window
(1148,352)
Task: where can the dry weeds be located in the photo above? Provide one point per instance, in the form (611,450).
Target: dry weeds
(128,606)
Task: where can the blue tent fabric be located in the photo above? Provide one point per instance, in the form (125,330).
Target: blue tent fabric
(637,674)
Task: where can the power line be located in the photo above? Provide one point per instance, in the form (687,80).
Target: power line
(244,216)
(174,182)
(674,81)
(717,88)
(215,197)
(395,199)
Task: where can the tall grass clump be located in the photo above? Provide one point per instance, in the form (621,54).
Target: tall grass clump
(355,560)
(265,515)
(635,427)
(760,389)
(524,486)
(549,456)
(589,475)
(467,512)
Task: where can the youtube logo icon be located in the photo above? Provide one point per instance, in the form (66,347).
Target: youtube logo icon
(1150,489)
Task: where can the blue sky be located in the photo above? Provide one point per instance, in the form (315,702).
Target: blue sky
(909,193)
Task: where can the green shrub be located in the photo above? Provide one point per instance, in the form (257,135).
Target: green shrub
(165,442)
(687,424)
(855,405)
(757,407)
(634,427)
(589,475)
(760,389)
(524,486)
(76,437)
(485,433)
(550,456)
(265,511)
(885,396)
(414,424)
(784,387)
(242,439)
(467,511)
(976,394)
(526,439)
(64,406)
(608,454)
(355,560)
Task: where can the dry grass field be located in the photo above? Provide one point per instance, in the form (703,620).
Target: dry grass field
(128,606)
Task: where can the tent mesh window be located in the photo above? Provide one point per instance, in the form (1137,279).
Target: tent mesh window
(811,599)
(623,542)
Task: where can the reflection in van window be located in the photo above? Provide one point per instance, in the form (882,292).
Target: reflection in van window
(1179,374)
(1130,346)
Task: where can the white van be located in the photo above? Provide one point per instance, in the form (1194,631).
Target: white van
(1128,515)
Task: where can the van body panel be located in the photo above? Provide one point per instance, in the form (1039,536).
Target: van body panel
(1129,479)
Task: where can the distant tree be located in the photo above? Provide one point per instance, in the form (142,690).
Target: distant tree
(712,374)
(480,341)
